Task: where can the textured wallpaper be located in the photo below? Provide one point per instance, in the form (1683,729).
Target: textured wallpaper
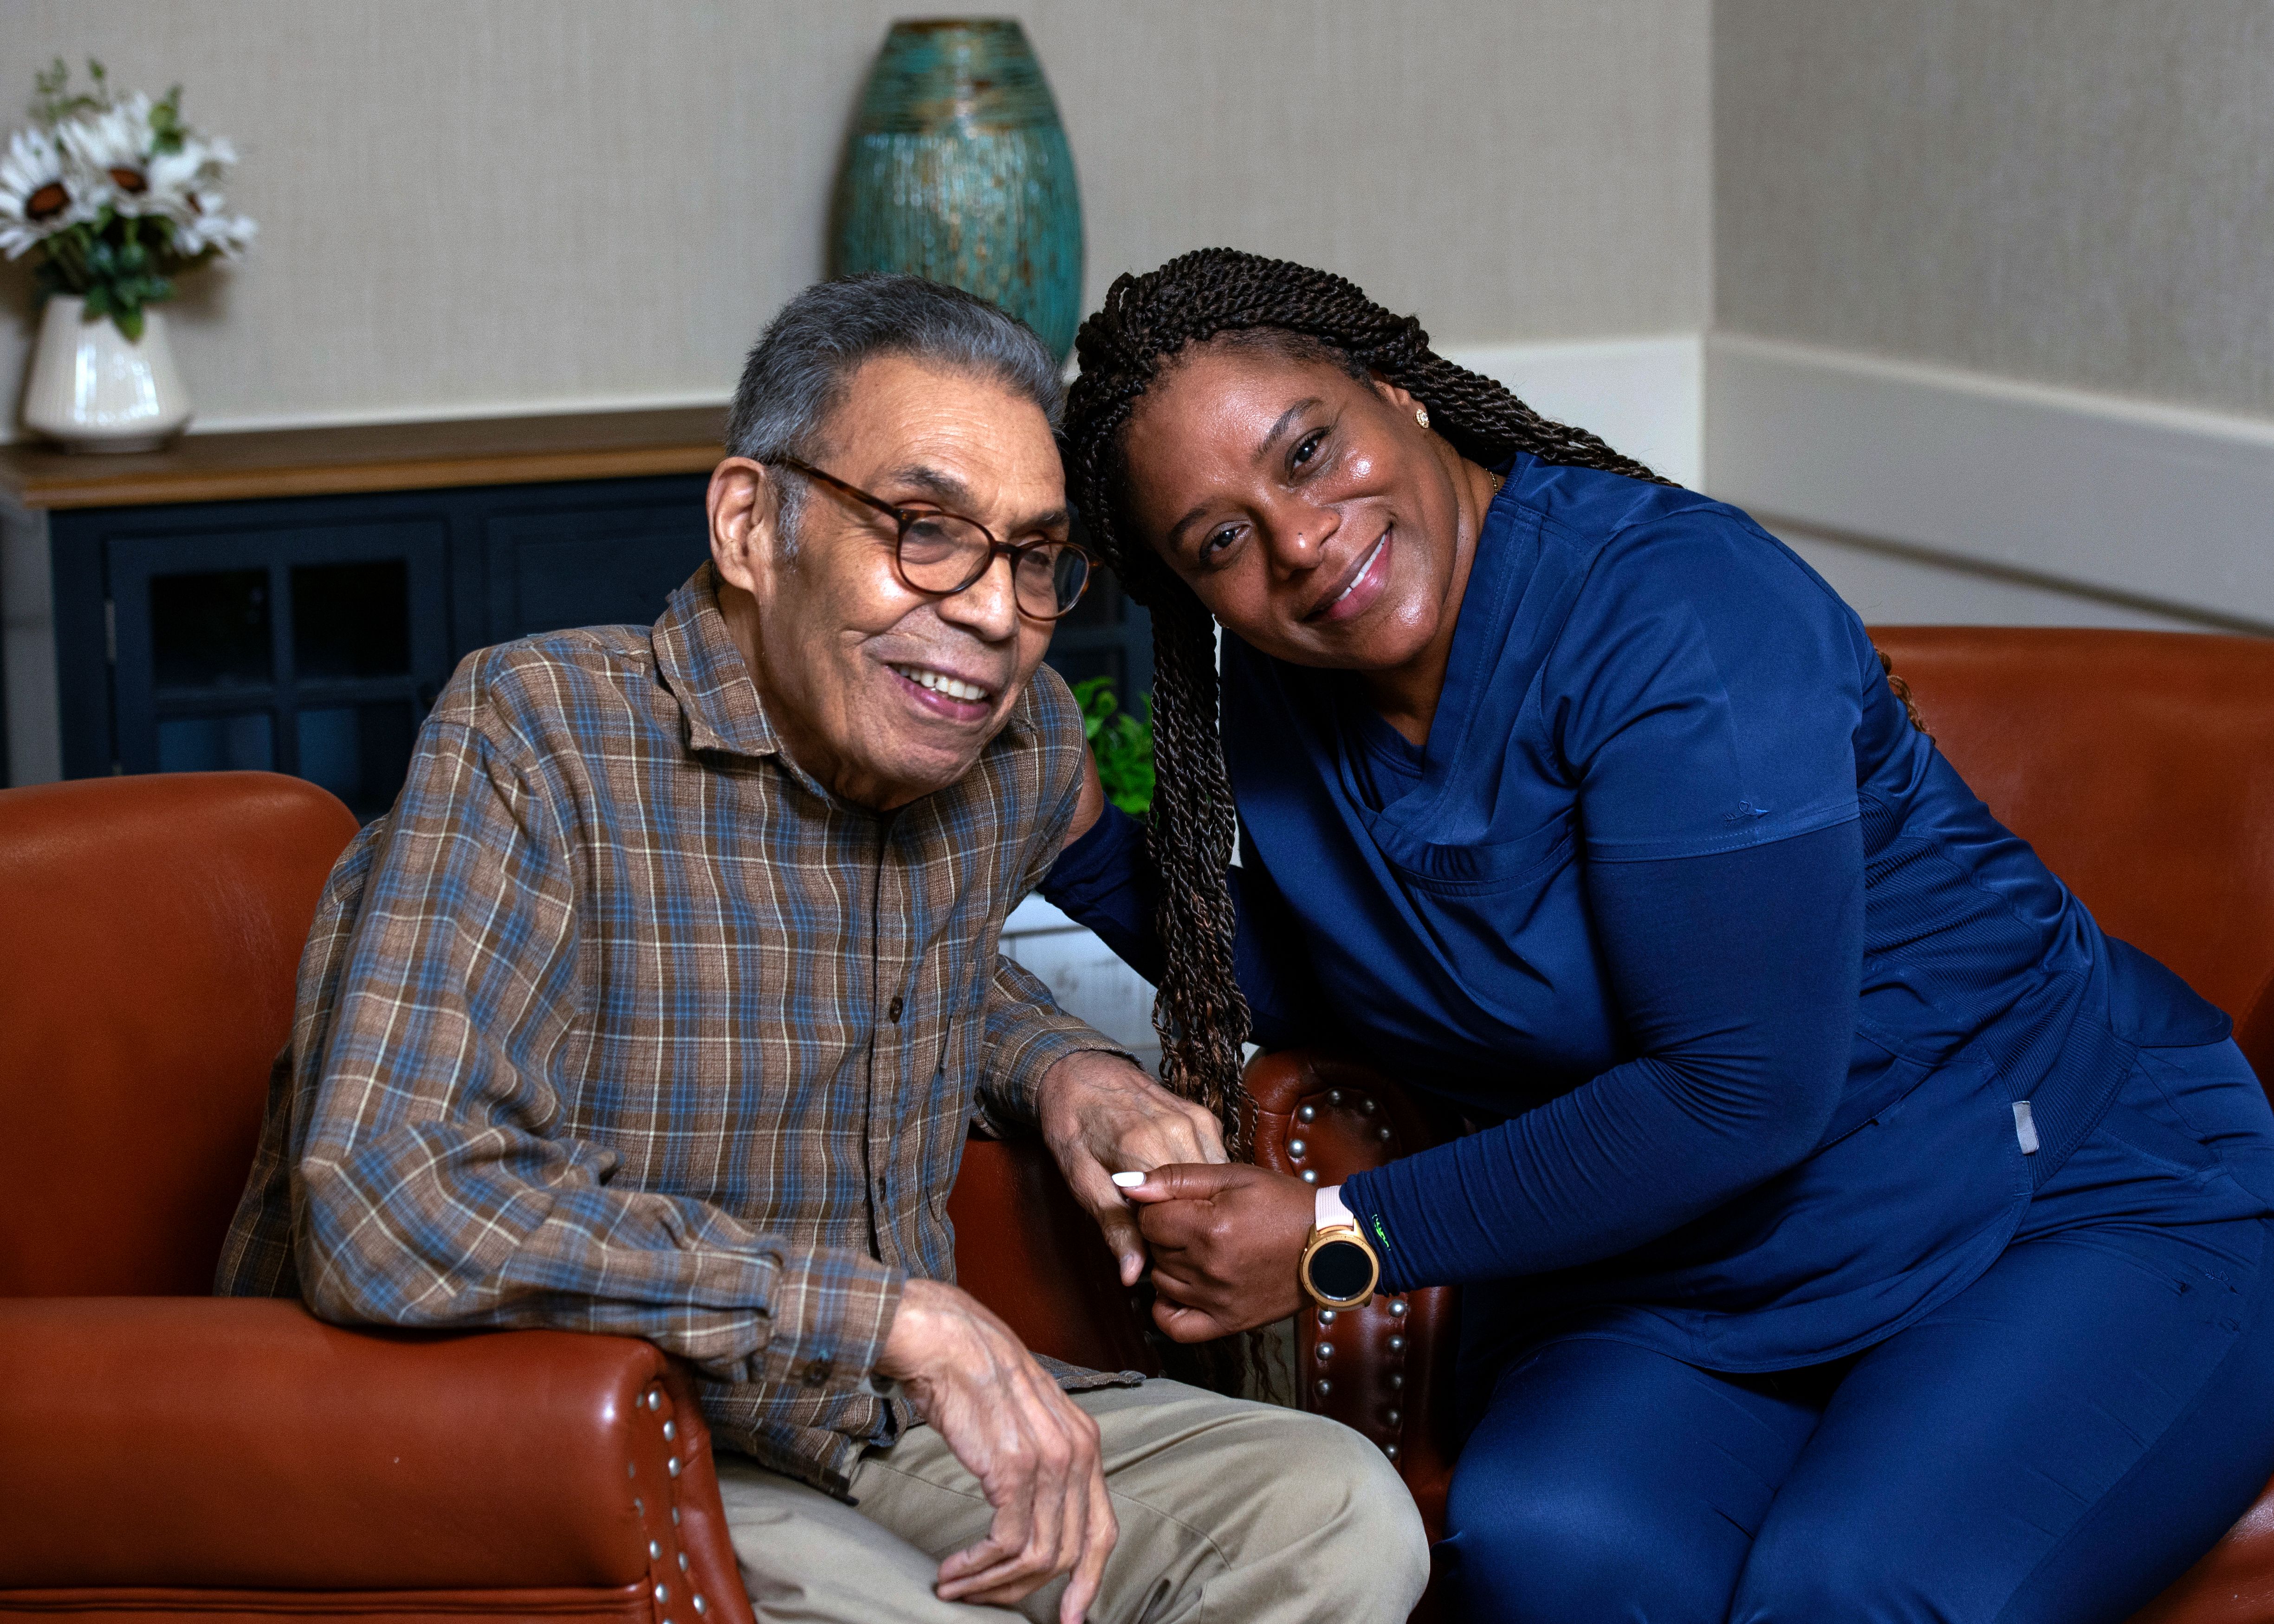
(499,204)
(2072,191)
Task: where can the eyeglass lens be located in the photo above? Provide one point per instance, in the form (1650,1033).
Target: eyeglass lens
(942,553)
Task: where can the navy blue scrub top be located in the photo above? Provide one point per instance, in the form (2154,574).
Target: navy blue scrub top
(1677,890)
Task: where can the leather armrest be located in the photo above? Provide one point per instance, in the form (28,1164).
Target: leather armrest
(2234,1581)
(2253,1034)
(244,1445)
(1386,1369)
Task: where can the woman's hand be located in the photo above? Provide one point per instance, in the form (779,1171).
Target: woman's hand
(1225,1241)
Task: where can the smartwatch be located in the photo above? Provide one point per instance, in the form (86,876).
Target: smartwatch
(1339,1268)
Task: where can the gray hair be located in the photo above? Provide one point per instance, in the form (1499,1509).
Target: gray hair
(796,378)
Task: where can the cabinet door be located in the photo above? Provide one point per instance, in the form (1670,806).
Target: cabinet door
(608,555)
(312,650)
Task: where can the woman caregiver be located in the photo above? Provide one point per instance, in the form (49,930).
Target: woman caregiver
(1864,1235)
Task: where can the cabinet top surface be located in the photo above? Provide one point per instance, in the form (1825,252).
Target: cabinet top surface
(391,457)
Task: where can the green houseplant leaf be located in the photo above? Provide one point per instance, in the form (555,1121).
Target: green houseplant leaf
(1121,741)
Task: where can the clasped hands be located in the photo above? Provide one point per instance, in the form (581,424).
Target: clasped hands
(1224,1241)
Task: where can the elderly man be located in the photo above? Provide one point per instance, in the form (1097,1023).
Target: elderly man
(659,1003)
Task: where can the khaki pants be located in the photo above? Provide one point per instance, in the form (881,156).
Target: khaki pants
(1229,1511)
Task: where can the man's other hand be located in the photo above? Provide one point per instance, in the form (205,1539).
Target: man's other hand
(1226,1244)
(1103,1116)
(1032,1449)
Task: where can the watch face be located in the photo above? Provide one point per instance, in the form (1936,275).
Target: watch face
(1341,1270)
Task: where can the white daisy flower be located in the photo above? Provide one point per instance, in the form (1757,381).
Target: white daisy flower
(207,224)
(181,184)
(38,194)
(111,149)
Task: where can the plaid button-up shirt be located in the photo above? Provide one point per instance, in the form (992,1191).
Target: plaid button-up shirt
(623,1022)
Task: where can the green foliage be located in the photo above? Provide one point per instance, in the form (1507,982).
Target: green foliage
(1123,743)
(110,264)
(167,131)
(54,100)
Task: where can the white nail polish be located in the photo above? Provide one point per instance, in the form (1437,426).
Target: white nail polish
(1129,1181)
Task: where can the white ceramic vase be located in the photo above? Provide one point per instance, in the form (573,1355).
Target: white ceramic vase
(94,389)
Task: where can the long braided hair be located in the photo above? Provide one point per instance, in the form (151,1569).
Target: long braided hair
(1146,324)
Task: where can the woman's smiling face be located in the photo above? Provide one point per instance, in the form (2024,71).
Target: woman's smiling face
(1308,509)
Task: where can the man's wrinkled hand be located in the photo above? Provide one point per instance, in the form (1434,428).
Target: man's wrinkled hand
(1032,1449)
(1102,1116)
(1226,1242)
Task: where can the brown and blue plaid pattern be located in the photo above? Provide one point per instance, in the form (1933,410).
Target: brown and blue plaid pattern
(622,1022)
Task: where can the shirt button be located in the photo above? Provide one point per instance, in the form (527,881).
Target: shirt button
(892,1011)
(818,1373)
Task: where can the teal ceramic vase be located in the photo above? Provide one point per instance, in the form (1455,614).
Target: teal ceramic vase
(958,170)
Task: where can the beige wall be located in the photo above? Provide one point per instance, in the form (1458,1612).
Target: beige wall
(2071,191)
(497,204)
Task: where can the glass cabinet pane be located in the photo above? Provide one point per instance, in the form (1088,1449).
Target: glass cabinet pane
(246,740)
(351,619)
(360,753)
(210,629)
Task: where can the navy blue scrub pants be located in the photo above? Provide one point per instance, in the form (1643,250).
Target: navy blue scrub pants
(2057,1443)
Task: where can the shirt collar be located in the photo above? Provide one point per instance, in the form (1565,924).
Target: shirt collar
(703,667)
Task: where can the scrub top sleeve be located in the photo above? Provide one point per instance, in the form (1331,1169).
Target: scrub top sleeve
(1105,882)
(1736,977)
(1704,693)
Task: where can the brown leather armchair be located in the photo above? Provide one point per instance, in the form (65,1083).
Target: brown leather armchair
(2140,765)
(170,1455)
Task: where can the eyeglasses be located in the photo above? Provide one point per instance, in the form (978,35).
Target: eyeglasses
(940,554)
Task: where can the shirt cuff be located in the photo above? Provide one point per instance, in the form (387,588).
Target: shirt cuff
(1357,1192)
(1014,1083)
(830,1313)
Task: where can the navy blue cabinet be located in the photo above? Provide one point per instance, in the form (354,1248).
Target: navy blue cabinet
(311,636)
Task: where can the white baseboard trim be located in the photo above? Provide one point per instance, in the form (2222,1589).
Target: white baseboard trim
(1643,396)
(2125,502)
